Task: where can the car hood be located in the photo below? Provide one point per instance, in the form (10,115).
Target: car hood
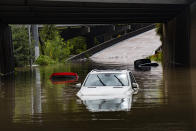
(105,90)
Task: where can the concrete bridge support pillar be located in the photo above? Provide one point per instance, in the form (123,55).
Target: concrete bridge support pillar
(176,45)
(179,39)
(6,50)
(35,34)
(193,58)
(193,34)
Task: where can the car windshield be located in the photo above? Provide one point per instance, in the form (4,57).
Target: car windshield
(107,79)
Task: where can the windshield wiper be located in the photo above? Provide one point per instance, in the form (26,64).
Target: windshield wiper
(101,81)
(119,80)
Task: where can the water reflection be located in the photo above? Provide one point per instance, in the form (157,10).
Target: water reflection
(36,94)
(7,103)
(107,103)
(27,95)
(166,100)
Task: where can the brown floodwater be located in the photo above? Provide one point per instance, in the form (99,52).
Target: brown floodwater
(29,101)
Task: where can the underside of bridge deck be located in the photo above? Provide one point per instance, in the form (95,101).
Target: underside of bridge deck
(62,11)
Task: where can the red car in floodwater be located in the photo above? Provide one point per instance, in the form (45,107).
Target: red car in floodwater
(64,77)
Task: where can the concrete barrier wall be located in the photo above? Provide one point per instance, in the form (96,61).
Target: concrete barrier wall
(109,43)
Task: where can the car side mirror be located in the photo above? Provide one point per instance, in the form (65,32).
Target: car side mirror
(135,85)
(78,85)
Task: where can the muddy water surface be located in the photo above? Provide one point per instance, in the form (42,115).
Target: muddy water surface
(29,101)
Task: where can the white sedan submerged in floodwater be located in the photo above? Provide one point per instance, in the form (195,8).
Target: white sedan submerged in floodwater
(108,82)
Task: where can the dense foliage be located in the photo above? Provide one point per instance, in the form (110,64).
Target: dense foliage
(53,48)
(48,32)
(44,60)
(56,48)
(76,45)
(21,45)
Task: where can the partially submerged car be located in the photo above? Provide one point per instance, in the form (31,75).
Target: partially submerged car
(64,77)
(108,82)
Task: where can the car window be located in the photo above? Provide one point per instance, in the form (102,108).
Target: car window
(107,79)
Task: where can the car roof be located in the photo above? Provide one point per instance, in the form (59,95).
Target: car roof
(95,71)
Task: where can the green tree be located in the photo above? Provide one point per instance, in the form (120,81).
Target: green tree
(57,49)
(76,45)
(21,45)
(53,45)
(48,32)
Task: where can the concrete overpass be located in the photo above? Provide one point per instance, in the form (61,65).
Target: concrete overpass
(89,11)
(178,16)
(102,32)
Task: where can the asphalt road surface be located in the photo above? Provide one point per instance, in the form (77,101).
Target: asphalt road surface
(125,52)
